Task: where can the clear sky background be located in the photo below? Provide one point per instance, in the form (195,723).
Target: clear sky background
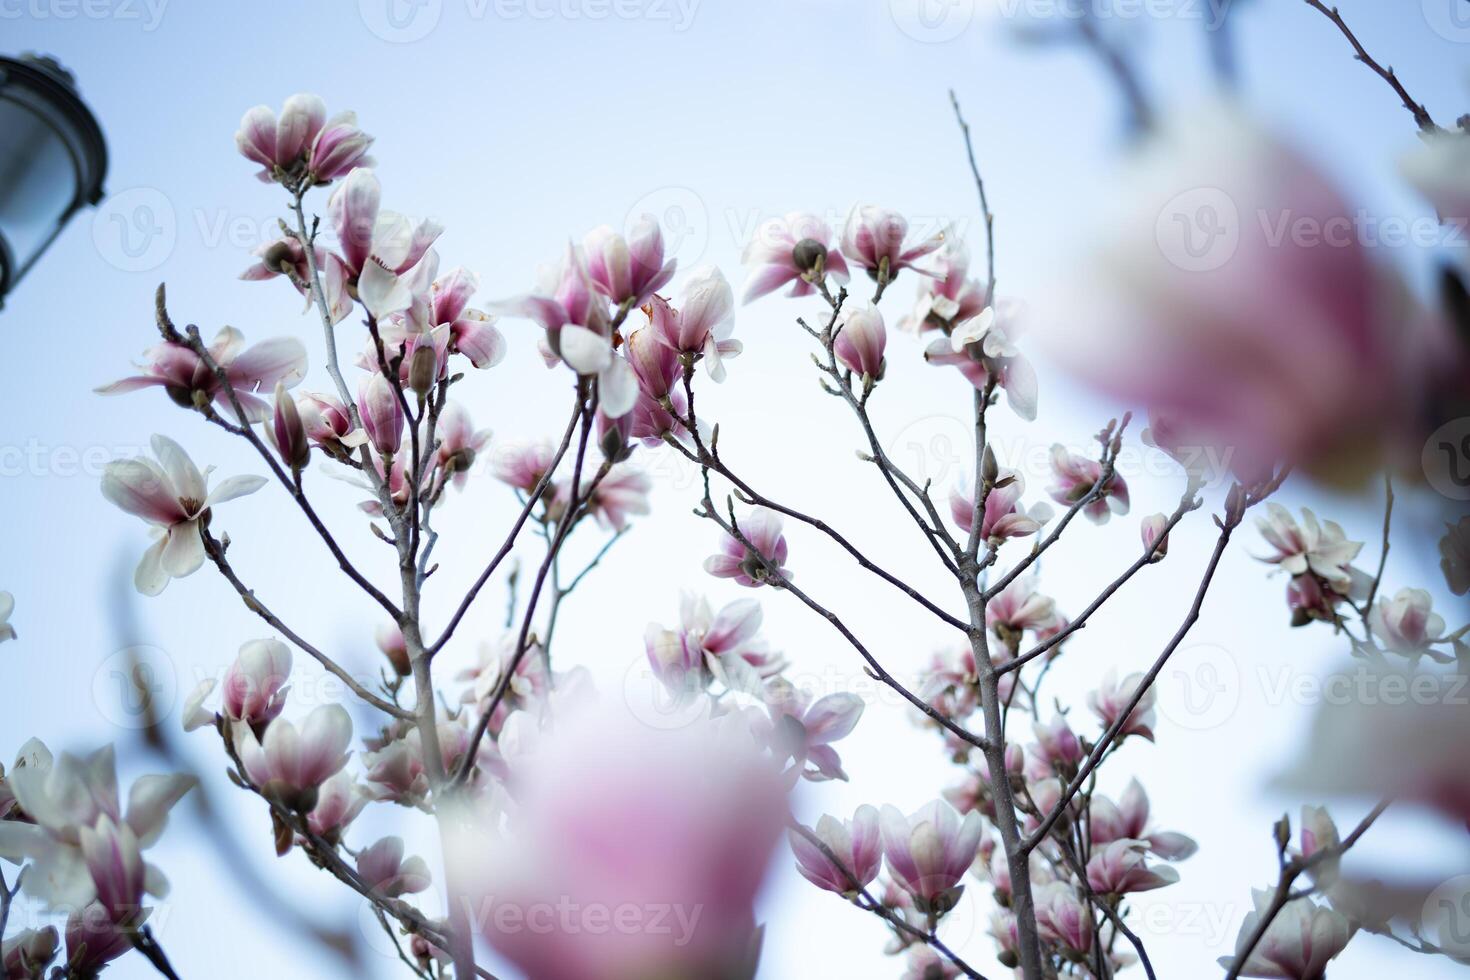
(521,124)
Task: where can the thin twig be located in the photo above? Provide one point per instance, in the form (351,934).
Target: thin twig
(1422,118)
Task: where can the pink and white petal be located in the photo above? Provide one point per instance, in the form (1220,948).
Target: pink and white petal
(140,487)
(235,486)
(617,386)
(833,717)
(124,385)
(183,551)
(150,799)
(583,350)
(149,578)
(723,566)
(280,359)
(381,291)
(188,482)
(480,341)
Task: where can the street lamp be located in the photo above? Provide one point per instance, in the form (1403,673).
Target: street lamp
(52,160)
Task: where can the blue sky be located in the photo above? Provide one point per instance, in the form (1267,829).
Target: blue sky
(521,123)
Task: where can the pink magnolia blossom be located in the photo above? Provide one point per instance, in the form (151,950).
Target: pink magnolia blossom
(622,494)
(339,800)
(1111,699)
(255,685)
(381,411)
(856,844)
(384,871)
(861,340)
(1020,607)
(701,325)
(1128,820)
(1319,834)
(327,422)
(524,466)
(709,645)
(1407,624)
(948,298)
(1454,552)
(796,249)
(390,643)
(1058,745)
(984,350)
(762,528)
(654,363)
(1319,547)
(873,239)
(93,939)
(383,253)
(338,149)
(286,431)
(1121,867)
(290,762)
(925,964)
(115,862)
(181,373)
(471,332)
(174,497)
(629,270)
(302,135)
(459,444)
(26,955)
(284,257)
(930,850)
(611,813)
(1298,944)
(1063,917)
(1004,516)
(806,730)
(1076,475)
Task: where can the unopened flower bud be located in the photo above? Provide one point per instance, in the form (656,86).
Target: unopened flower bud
(1153,530)
(422,369)
(989,468)
(287,431)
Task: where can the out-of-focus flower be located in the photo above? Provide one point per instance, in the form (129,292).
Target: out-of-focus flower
(302,136)
(622,493)
(925,964)
(1128,820)
(798,249)
(174,497)
(382,251)
(856,844)
(459,444)
(805,731)
(82,845)
(950,297)
(930,850)
(614,814)
(1076,475)
(391,645)
(1121,867)
(290,763)
(339,800)
(1111,699)
(1407,624)
(873,238)
(94,939)
(1057,743)
(1319,547)
(1454,556)
(1437,168)
(183,375)
(524,466)
(629,270)
(702,323)
(7,606)
(1152,531)
(1298,944)
(1319,834)
(1019,606)
(381,413)
(1063,917)
(26,955)
(1004,516)
(384,871)
(762,528)
(255,685)
(1271,340)
(984,349)
(861,341)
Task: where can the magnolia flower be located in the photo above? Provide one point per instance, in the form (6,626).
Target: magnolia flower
(328,423)
(873,238)
(949,297)
(255,685)
(930,850)
(1063,917)
(7,606)
(302,135)
(383,252)
(524,466)
(290,763)
(286,432)
(1454,551)
(762,528)
(1298,944)
(925,964)
(614,814)
(805,732)
(1058,745)
(339,800)
(856,844)
(1436,168)
(861,340)
(629,271)
(93,939)
(1076,475)
(26,955)
(1321,548)
(284,256)
(1004,516)
(83,846)
(390,642)
(381,411)
(459,444)
(1319,836)
(984,349)
(180,372)
(709,646)
(798,249)
(174,497)
(385,873)
(470,331)
(1121,867)
(1111,699)
(1020,607)
(622,493)
(1153,531)
(1128,820)
(702,324)
(1407,624)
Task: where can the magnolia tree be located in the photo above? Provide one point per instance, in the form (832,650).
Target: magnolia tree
(548,797)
